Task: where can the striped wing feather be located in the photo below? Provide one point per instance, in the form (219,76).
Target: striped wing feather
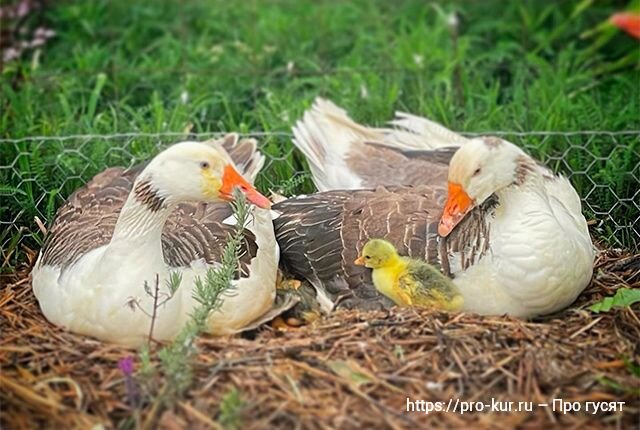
(87,220)
(397,167)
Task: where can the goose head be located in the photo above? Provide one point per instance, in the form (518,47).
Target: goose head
(193,171)
(480,168)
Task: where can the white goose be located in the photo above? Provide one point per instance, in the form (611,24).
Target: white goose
(509,231)
(124,228)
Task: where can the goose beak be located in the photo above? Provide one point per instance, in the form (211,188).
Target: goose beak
(458,205)
(231,179)
(359,261)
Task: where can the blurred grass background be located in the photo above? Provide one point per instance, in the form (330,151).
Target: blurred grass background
(207,65)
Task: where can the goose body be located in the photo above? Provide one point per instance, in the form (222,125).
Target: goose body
(509,231)
(127,231)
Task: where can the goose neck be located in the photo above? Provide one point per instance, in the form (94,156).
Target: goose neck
(143,216)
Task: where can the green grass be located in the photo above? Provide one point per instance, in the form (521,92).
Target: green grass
(125,66)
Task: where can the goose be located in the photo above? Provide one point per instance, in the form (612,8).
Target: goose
(131,230)
(508,231)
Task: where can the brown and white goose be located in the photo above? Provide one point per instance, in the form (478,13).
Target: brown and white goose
(127,226)
(508,230)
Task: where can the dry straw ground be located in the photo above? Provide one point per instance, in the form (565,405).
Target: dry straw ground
(349,370)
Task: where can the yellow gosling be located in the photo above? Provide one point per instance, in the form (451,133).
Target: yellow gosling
(406,281)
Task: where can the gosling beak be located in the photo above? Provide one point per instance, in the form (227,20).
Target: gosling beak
(359,261)
(458,205)
(231,179)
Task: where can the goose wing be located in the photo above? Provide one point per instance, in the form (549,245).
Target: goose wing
(197,230)
(376,165)
(87,220)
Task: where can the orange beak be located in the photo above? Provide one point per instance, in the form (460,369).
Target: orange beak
(457,206)
(359,261)
(231,179)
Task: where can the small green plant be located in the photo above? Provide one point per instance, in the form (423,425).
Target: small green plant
(230,410)
(624,297)
(634,371)
(159,298)
(176,358)
(634,368)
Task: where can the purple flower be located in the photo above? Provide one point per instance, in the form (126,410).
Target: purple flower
(126,365)
(23,8)
(131,386)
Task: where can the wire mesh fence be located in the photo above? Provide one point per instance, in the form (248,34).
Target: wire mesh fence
(38,173)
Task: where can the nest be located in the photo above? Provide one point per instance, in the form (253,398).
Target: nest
(348,370)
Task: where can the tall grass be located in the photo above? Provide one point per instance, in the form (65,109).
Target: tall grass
(200,66)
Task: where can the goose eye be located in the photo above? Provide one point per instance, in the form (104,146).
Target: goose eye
(204,165)
(476,172)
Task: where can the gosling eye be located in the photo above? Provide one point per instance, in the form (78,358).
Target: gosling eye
(204,165)
(366,257)
(477,171)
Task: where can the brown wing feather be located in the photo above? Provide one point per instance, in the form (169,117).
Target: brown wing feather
(469,241)
(321,235)
(88,218)
(243,152)
(195,230)
(397,167)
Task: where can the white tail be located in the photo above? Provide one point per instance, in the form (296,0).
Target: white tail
(415,132)
(325,135)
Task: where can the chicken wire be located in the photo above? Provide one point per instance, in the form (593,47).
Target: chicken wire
(38,173)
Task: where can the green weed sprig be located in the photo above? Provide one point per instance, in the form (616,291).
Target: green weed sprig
(176,357)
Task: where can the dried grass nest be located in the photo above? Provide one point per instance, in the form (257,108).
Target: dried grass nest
(348,370)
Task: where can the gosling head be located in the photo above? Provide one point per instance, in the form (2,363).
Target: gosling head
(478,169)
(192,171)
(377,253)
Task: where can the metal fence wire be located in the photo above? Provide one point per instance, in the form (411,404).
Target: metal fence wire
(38,173)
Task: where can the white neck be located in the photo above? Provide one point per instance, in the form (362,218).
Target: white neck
(138,231)
(137,223)
(531,182)
(508,196)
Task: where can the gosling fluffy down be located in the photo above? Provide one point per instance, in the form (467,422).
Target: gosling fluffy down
(406,281)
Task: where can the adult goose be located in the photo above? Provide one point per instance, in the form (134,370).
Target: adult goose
(128,228)
(509,231)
